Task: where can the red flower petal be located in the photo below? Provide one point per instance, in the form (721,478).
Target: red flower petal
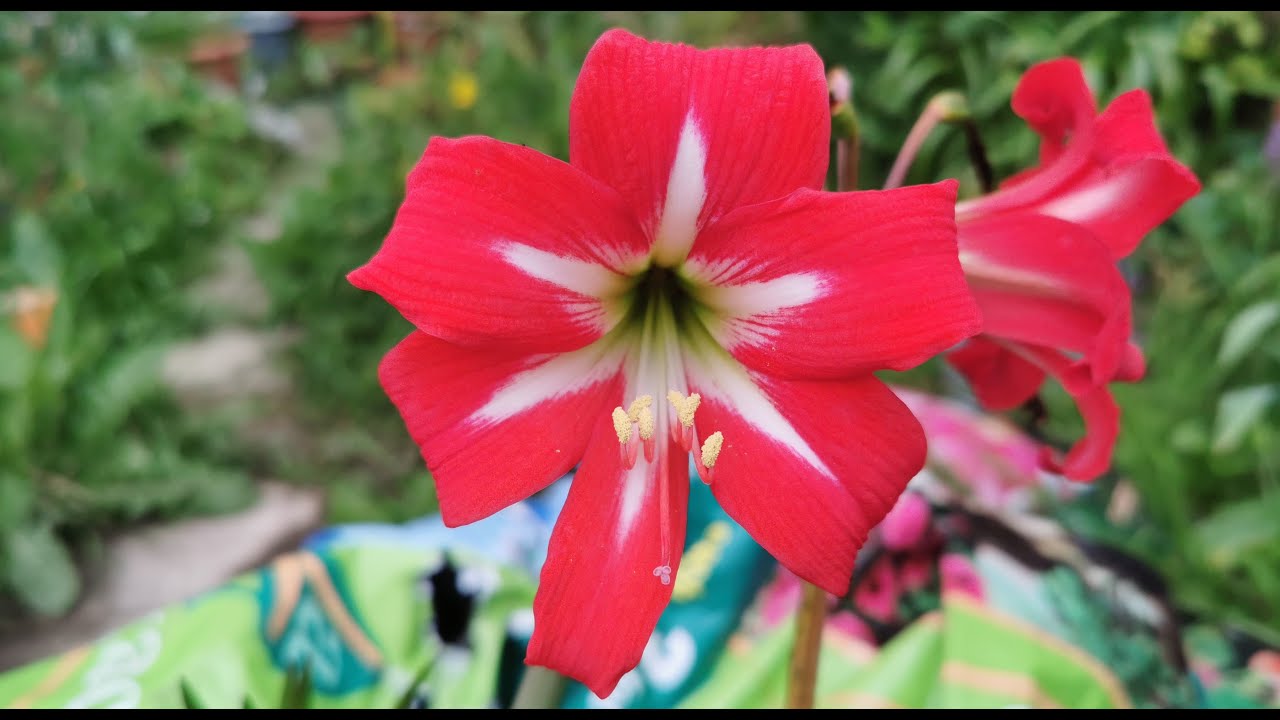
(598,599)
(1090,457)
(999,379)
(1133,184)
(1049,282)
(686,135)
(1133,366)
(1111,173)
(807,467)
(1055,100)
(496,427)
(829,285)
(496,243)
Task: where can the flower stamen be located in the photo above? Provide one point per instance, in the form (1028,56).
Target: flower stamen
(685,408)
(711,449)
(622,425)
(710,452)
(638,406)
(639,414)
(628,443)
(646,425)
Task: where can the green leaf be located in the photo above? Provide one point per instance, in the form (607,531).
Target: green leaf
(123,382)
(190,699)
(214,490)
(1238,411)
(1189,436)
(1260,275)
(34,251)
(1245,330)
(1236,528)
(297,688)
(411,692)
(17,356)
(39,570)
(16,499)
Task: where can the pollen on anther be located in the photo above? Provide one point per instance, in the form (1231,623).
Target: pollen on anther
(638,406)
(711,449)
(690,407)
(645,422)
(622,425)
(685,406)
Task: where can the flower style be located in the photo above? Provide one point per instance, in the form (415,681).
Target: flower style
(1040,255)
(681,287)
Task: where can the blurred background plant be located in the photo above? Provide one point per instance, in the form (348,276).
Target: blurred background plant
(123,171)
(1199,434)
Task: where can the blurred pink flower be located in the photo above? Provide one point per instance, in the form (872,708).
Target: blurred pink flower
(959,575)
(916,571)
(851,625)
(1267,664)
(995,461)
(906,524)
(877,594)
(1208,673)
(780,598)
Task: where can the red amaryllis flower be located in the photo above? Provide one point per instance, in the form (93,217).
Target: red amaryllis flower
(1040,255)
(681,287)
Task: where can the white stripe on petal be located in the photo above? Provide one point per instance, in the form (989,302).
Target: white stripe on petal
(1084,205)
(636,484)
(980,271)
(686,192)
(580,276)
(568,373)
(750,313)
(765,297)
(722,379)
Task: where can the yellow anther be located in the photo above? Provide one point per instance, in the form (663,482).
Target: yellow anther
(711,449)
(622,425)
(688,409)
(675,398)
(685,406)
(638,405)
(645,421)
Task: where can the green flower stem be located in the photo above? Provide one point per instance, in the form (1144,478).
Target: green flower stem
(978,156)
(844,127)
(802,677)
(539,688)
(946,107)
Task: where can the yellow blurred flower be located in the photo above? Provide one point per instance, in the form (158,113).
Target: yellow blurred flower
(463,90)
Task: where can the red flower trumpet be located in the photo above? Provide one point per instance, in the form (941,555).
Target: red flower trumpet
(1040,255)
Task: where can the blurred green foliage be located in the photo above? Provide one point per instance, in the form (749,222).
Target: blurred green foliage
(120,211)
(120,172)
